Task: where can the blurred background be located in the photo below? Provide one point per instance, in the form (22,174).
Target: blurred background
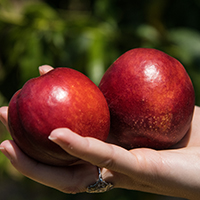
(88,36)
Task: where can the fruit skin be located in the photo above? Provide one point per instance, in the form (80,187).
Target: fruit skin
(61,98)
(150,97)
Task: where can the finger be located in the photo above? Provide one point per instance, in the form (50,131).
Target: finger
(4,115)
(95,151)
(72,179)
(44,69)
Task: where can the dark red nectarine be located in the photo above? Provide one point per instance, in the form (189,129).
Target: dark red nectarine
(61,98)
(150,97)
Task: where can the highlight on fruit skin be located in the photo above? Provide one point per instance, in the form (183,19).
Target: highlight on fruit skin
(151,99)
(60,98)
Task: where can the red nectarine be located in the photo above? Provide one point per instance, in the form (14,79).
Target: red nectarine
(61,98)
(150,97)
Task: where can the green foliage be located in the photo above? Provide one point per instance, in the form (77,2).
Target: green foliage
(88,36)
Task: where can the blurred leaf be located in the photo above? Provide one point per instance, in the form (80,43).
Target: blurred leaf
(188,41)
(97,50)
(150,35)
(8,13)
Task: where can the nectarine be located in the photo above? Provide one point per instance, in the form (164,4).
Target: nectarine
(61,98)
(151,99)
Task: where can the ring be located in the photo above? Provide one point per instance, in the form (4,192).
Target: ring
(100,185)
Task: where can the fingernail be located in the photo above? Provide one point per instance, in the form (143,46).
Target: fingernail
(53,135)
(44,69)
(52,138)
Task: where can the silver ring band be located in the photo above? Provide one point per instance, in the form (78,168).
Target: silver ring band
(100,185)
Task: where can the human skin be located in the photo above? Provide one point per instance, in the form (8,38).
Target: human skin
(173,172)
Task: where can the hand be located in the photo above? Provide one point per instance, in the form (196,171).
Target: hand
(173,172)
